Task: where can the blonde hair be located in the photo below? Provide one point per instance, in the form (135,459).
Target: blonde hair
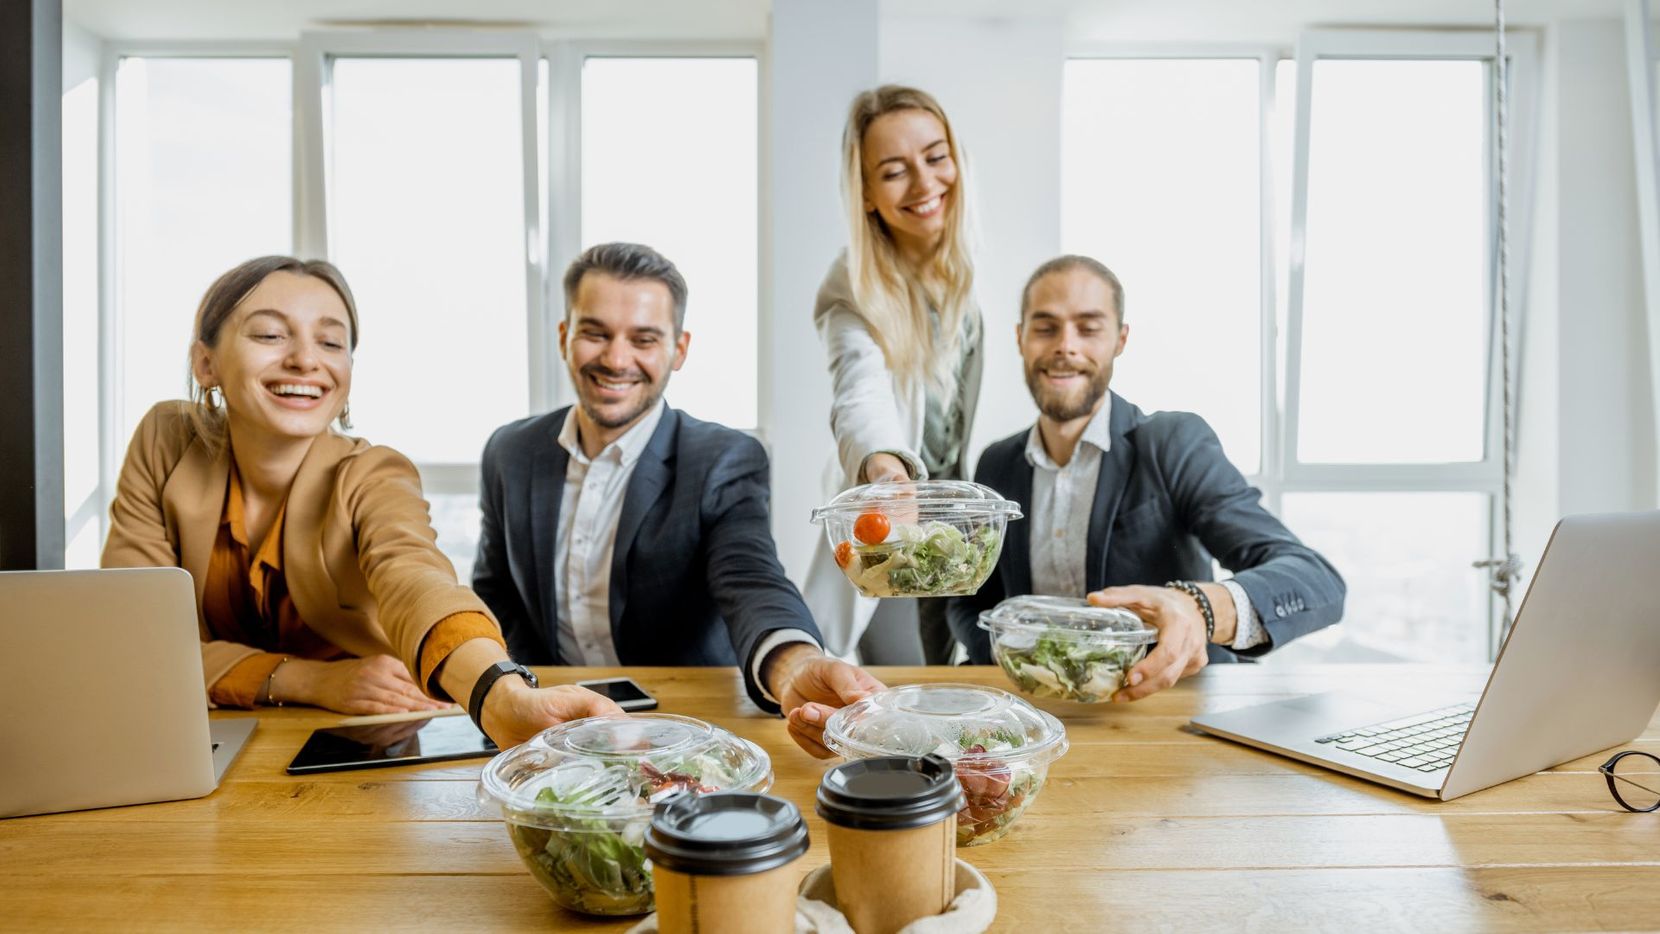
(222,298)
(885,295)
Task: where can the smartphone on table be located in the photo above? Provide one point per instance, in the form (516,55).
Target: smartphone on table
(628,695)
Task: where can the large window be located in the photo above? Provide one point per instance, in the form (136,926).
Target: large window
(1161,178)
(203,181)
(670,158)
(428,166)
(1399,226)
(1349,368)
(427,219)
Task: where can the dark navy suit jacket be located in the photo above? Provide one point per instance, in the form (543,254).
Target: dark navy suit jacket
(1166,501)
(695,576)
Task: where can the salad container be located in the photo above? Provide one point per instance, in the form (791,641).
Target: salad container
(931,538)
(999,745)
(578,797)
(1063,647)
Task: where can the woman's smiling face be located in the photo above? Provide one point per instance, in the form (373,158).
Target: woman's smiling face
(910,176)
(283,360)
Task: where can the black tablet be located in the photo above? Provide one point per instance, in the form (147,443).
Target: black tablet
(437,739)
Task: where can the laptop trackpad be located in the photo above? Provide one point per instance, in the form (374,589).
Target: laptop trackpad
(1301,719)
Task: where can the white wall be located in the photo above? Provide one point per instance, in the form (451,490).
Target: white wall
(80,54)
(819,55)
(1607,417)
(1588,420)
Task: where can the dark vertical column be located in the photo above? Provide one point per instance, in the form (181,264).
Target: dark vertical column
(31,285)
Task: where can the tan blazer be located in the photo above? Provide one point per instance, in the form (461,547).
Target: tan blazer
(358,550)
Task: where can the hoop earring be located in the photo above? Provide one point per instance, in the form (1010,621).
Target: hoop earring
(345,418)
(215,397)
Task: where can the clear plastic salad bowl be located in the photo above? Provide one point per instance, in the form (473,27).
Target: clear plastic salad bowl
(931,538)
(578,797)
(1063,647)
(999,745)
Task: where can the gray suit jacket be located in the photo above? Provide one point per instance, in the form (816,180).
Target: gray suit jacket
(1167,500)
(695,576)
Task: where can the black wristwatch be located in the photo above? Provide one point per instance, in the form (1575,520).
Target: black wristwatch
(487,680)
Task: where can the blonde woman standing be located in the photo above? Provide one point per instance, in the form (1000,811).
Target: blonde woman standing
(898,319)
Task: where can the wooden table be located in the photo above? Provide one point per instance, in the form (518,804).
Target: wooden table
(1144,825)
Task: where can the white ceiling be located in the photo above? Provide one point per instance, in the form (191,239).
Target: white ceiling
(285,19)
(1123,20)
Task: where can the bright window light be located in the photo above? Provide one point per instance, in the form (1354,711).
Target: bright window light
(427,221)
(669,159)
(1395,310)
(203,168)
(1406,559)
(1160,181)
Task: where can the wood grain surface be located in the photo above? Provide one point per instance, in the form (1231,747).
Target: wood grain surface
(1145,824)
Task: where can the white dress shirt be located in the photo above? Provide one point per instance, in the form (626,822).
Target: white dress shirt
(1062,500)
(590,509)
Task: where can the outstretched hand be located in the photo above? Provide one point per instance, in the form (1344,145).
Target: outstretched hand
(514,711)
(1181,650)
(810,687)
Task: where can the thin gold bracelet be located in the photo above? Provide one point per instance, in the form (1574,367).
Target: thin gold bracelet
(270,679)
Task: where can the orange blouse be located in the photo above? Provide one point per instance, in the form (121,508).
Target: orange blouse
(246,600)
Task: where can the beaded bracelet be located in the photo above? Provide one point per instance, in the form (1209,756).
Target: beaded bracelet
(1193,590)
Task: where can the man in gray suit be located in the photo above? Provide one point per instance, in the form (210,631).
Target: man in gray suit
(620,531)
(1129,508)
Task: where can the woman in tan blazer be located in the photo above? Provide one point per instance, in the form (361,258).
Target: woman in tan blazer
(318,577)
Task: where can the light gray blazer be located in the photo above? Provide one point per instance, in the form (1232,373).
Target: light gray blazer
(870,411)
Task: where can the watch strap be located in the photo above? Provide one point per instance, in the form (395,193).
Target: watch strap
(487,680)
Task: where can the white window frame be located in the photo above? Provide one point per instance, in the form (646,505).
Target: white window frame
(1281,472)
(1487,475)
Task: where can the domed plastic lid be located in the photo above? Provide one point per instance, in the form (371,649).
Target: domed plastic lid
(618,766)
(961,722)
(935,499)
(1068,618)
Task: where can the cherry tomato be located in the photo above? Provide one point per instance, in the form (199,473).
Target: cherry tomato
(871,528)
(844,554)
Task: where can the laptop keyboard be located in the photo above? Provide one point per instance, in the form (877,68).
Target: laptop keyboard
(1426,742)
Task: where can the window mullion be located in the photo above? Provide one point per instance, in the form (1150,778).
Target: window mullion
(1269,339)
(311,81)
(1295,278)
(536,325)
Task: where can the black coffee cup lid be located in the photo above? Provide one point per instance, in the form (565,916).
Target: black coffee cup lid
(889,793)
(725,834)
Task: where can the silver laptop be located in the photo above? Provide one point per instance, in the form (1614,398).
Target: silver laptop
(1579,673)
(101,695)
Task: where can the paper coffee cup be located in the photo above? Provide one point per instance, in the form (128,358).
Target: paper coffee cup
(721,863)
(893,839)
